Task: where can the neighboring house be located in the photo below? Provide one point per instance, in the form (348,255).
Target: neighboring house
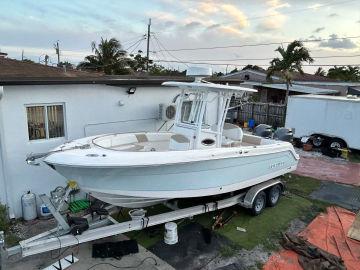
(274,91)
(41,107)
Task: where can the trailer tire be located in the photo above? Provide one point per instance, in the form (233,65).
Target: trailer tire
(273,195)
(336,143)
(259,203)
(318,140)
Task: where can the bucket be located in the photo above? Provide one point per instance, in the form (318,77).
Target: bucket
(170,236)
(251,123)
(137,214)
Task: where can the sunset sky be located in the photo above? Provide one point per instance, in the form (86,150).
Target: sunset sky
(33,26)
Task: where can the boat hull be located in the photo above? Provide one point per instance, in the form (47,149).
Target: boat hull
(134,187)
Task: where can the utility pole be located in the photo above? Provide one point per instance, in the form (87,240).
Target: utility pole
(22,55)
(57,51)
(46,59)
(148,46)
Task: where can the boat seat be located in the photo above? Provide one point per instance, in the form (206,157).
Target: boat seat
(233,132)
(141,138)
(179,142)
(251,139)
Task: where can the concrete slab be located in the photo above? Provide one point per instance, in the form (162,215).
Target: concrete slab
(327,169)
(344,195)
(144,260)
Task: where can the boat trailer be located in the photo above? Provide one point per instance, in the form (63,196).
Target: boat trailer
(100,226)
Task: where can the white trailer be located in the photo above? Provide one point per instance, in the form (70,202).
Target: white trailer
(328,120)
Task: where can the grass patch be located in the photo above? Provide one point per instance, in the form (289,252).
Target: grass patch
(10,238)
(301,185)
(354,156)
(262,229)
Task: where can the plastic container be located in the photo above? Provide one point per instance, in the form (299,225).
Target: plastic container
(171,235)
(44,211)
(251,123)
(28,203)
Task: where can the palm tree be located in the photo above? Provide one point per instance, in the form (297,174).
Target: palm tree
(291,61)
(349,73)
(320,72)
(108,57)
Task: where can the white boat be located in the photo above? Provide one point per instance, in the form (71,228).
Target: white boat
(200,156)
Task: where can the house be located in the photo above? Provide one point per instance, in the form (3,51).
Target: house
(42,107)
(274,91)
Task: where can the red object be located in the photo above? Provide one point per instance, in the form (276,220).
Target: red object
(330,170)
(329,232)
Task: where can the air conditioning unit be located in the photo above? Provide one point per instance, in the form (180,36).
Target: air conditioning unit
(167,112)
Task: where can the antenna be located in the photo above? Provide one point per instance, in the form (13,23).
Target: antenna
(57,51)
(148,46)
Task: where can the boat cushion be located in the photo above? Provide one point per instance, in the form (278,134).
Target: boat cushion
(141,138)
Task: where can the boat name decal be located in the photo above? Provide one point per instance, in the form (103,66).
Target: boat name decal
(276,165)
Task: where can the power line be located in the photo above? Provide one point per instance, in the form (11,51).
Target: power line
(164,49)
(259,44)
(134,44)
(270,58)
(243,65)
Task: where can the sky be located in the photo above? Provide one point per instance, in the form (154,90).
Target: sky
(32,27)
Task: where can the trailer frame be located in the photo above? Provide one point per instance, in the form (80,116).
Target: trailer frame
(100,227)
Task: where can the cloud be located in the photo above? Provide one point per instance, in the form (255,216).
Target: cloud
(236,14)
(316,6)
(213,26)
(319,29)
(192,25)
(275,19)
(358,21)
(332,15)
(335,43)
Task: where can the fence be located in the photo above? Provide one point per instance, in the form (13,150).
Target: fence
(262,113)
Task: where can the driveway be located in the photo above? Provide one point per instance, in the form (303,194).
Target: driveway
(324,168)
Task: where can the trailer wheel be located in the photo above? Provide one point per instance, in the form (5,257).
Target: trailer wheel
(273,195)
(336,143)
(258,204)
(318,140)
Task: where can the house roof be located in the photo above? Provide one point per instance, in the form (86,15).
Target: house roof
(300,88)
(15,72)
(11,68)
(298,77)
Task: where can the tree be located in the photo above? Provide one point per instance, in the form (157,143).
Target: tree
(27,61)
(138,64)
(234,71)
(109,57)
(253,67)
(320,72)
(291,60)
(343,73)
(66,64)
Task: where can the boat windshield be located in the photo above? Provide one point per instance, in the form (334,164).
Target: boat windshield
(191,110)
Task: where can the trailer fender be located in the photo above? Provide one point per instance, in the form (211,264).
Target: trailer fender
(250,195)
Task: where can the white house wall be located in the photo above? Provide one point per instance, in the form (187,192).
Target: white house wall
(89,110)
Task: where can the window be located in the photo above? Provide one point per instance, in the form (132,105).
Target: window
(45,121)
